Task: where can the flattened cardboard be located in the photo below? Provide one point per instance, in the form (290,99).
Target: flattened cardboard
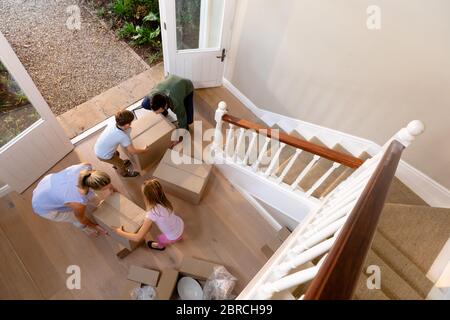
(197,269)
(143,275)
(166,284)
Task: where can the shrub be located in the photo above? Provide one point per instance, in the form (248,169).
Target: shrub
(127,31)
(146,35)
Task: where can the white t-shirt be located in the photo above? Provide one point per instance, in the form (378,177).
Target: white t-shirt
(109,141)
(168,222)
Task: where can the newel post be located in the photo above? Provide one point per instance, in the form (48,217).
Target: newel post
(218,139)
(407,135)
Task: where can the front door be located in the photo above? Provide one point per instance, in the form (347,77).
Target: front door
(31,139)
(196,36)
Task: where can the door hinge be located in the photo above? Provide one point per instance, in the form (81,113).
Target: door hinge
(222,57)
(165,26)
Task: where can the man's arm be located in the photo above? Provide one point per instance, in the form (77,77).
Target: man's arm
(131,149)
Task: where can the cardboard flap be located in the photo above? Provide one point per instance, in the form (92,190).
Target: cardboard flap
(153,134)
(143,122)
(195,268)
(113,218)
(125,206)
(143,275)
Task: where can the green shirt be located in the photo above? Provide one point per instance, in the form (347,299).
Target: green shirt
(176,89)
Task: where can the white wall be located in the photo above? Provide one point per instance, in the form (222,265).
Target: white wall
(317,61)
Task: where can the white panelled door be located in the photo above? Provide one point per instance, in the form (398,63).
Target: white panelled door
(31,139)
(196,35)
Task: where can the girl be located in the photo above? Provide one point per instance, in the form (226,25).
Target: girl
(65,196)
(160,212)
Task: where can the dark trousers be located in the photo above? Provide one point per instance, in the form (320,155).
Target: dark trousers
(189,106)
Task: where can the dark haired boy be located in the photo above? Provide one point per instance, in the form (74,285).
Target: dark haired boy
(116,134)
(174,93)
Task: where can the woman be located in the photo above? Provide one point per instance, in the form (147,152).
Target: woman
(65,196)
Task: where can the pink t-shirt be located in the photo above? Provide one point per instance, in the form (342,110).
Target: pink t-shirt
(168,222)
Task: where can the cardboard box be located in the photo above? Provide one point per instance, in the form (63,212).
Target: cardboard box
(143,276)
(197,269)
(150,130)
(167,283)
(116,211)
(186,181)
(128,288)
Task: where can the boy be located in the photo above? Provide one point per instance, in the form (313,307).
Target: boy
(116,134)
(176,94)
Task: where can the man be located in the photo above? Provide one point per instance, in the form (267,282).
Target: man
(176,94)
(116,134)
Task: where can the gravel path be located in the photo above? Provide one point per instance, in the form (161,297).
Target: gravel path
(68,66)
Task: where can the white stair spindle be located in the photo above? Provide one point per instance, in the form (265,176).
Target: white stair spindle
(261,154)
(274,161)
(322,179)
(292,280)
(308,255)
(289,165)
(218,139)
(305,171)
(230,139)
(407,135)
(239,143)
(250,147)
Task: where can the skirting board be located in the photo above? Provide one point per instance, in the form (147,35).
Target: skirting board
(429,190)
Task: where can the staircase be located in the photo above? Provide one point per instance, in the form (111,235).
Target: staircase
(318,184)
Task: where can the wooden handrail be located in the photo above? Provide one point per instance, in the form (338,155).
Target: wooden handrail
(340,272)
(324,152)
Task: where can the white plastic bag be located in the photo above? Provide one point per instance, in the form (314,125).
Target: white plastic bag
(219,285)
(143,293)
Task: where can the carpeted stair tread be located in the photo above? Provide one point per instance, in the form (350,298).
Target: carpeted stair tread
(403,266)
(300,163)
(362,293)
(419,232)
(400,193)
(344,174)
(392,284)
(334,175)
(316,172)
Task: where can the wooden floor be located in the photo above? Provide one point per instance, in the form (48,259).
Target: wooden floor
(35,252)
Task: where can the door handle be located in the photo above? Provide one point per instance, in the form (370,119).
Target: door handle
(222,57)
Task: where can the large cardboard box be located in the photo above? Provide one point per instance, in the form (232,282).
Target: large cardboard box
(151,130)
(167,283)
(116,211)
(185,180)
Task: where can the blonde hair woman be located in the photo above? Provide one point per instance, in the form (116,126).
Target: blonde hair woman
(64,196)
(160,211)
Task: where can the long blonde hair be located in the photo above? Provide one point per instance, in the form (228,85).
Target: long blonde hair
(154,194)
(93,179)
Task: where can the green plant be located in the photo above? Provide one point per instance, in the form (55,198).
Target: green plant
(151,17)
(155,57)
(146,35)
(127,31)
(123,8)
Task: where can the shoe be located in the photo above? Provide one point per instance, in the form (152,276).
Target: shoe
(150,245)
(131,174)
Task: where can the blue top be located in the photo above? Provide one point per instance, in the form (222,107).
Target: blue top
(57,189)
(109,141)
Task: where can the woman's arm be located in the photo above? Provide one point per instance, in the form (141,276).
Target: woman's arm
(138,236)
(80,213)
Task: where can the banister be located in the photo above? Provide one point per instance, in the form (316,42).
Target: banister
(340,272)
(323,152)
